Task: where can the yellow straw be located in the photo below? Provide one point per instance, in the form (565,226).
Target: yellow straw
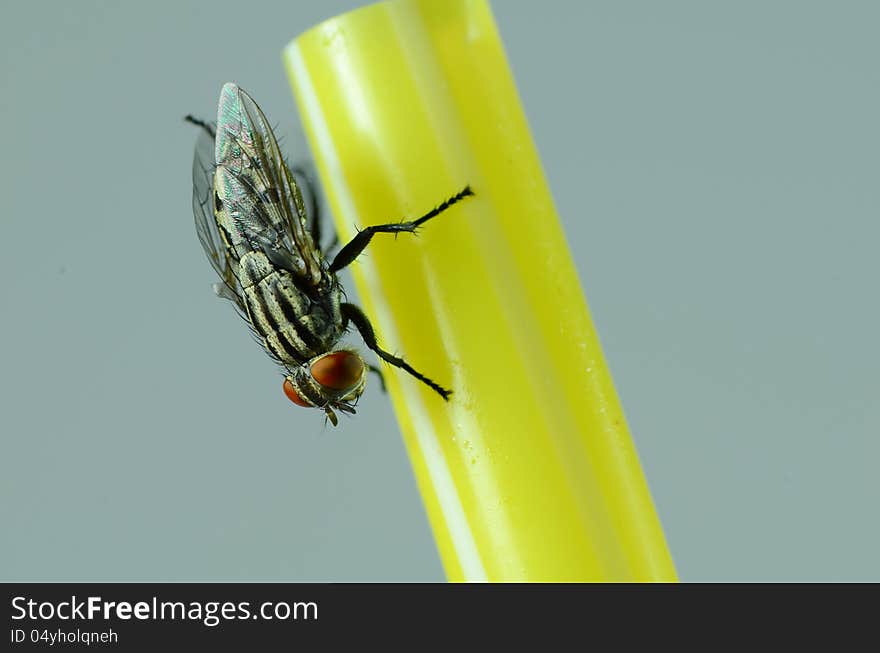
(529,472)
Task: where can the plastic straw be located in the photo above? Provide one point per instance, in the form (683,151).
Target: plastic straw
(529,472)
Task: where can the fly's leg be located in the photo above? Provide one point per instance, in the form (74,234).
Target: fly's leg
(313,210)
(208,127)
(375,370)
(357,244)
(352,313)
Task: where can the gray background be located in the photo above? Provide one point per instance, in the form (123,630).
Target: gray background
(716,169)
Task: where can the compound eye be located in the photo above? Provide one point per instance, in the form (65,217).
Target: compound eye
(339,370)
(293,395)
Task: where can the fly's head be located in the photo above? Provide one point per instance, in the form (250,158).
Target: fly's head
(331,381)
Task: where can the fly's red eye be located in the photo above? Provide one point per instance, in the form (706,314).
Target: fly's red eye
(293,395)
(338,371)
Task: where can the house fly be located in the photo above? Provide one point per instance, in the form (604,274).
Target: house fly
(253,225)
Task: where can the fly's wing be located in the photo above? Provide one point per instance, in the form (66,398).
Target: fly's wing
(222,259)
(260,198)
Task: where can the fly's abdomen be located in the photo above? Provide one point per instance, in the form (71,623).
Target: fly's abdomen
(280,312)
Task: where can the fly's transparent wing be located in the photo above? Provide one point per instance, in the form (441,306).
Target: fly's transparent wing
(261,201)
(220,256)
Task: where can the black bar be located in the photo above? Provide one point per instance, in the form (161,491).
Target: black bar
(596,617)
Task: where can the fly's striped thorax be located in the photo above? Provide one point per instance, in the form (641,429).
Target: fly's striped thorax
(293,326)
